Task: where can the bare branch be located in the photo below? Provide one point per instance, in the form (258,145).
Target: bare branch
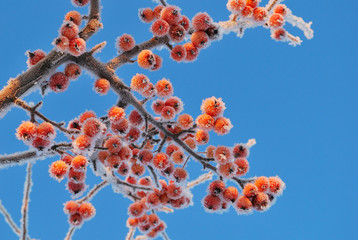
(25,202)
(21,158)
(155,177)
(70,232)
(165,236)
(130,233)
(203,178)
(9,220)
(93,192)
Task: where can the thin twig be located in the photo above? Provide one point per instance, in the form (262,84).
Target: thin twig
(155,177)
(70,232)
(93,192)
(165,236)
(25,202)
(98,47)
(203,178)
(9,220)
(130,233)
(163,2)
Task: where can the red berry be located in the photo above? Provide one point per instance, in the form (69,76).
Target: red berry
(176,33)
(164,88)
(62,43)
(161,161)
(40,143)
(82,142)
(71,207)
(79,163)
(58,169)
(222,126)
(191,52)
(171,149)
(86,210)
(74,17)
(121,127)
(75,188)
(260,14)
(125,153)
(235,6)
(180,175)
(247,12)
(153,199)
(76,176)
(137,169)
(276,20)
(125,42)
(227,170)
(280,9)
(150,91)
(146,15)
(136,209)
(135,118)
(174,192)
(241,151)
(77,46)
(113,144)
(242,166)
(202,137)
(113,161)
(158,106)
(46,131)
(216,187)
(212,203)
(185,23)
(145,156)
(27,131)
(261,202)
(178,53)
(35,57)
(250,190)
(160,28)
(205,121)
(171,14)
(201,21)
(210,150)
(102,86)
(243,204)
(222,154)
(191,143)
(157,10)
(72,71)
(67,159)
(158,63)
(200,39)
(86,115)
(123,169)
(133,135)
(168,113)
(153,220)
(231,194)
(79,3)
(213,106)
(279,34)
(69,30)
(146,59)
(262,183)
(116,114)
(59,82)
(75,219)
(252,3)
(178,157)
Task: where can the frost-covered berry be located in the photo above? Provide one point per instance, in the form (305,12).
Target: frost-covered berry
(69,30)
(176,33)
(149,92)
(276,185)
(216,187)
(75,187)
(125,42)
(59,82)
(160,28)
(276,20)
(113,144)
(174,191)
(72,71)
(87,115)
(210,150)
(243,204)
(121,127)
(71,207)
(146,59)
(137,169)
(205,121)
(235,6)
(222,126)
(213,106)
(93,127)
(79,163)
(74,17)
(157,106)
(157,11)
(160,161)
(168,113)
(260,14)
(123,169)
(280,9)
(116,114)
(178,157)
(279,34)
(62,43)
(46,131)
(247,12)
(178,53)
(153,220)
(67,159)
(171,148)
(133,135)
(140,82)
(211,202)
(252,3)
(76,176)
(262,183)
(200,39)
(86,210)
(180,175)
(82,142)
(201,21)
(40,143)
(27,131)
(77,46)
(136,209)
(227,170)
(191,143)
(153,200)
(135,118)
(75,220)
(241,151)
(145,156)
(171,14)
(213,32)
(261,201)
(242,166)
(146,15)
(192,52)
(185,121)
(230,194)
(113,161)
(80,3)
(164,88)
(35,57)
(185,23)
(250,190)
(102,86)
(158,63)
(58,169)
(202,137)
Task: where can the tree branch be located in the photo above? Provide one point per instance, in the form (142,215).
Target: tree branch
(25,202)
(93,192)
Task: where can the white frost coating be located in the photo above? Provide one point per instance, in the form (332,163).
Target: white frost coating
(237,27)
(301,24)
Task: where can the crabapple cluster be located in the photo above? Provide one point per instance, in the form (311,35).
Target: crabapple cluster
(69,40)
(60,81)
(79,212)
(39,136)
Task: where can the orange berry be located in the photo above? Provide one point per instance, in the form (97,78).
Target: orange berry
(93,127)
(77,46)
(180,175)
(86,115)
(158,63)
(222,154)
(132,222)
(136,209)
(205,121)
(210,150)
(153,220)
(216,187)
(250,190)
(121,127)
(235,6)
(140,83)
(185,121)
(82,142)
(149,92)
(242,166)
(79,163)
(178,157)
(75,219)
(261,201)
(62,43)
(243,204)
(202,137)
(260,14)
(58,169)
(69,30)
(241,151)
(247,12)
(76,176)
(276,20)
(146,59)
(252,3)
(72,71)
(213,106)
(157,10)
(262,183)
(276,185)
(74,17)
(67,159)
(160,28)
(102,86)
(178,53)
(164,88)
(145,181)
(125,42)
(227,170)
(153,199)
(192,52)
(201,21)
(200,39)
(222,126)
(133,135)
(211,202)
(132,180)
(27,131)
(230,194)
(146,15)
(71,207)
(281,9)
(171,14)
(161,161)
(116,114)
(87,210)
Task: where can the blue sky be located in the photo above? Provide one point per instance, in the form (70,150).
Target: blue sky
(298,102)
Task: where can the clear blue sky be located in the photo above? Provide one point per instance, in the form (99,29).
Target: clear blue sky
(299,103)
